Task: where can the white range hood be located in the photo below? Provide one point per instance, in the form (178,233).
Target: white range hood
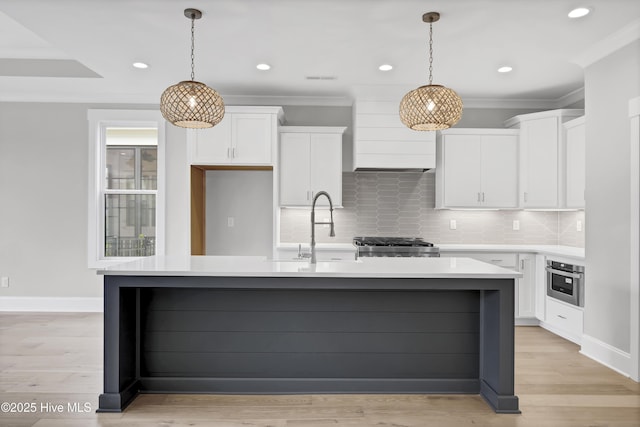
(382,143)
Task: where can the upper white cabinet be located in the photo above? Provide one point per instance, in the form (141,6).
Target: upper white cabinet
(477,168)
(542,139)
(310,161)
(246,136)
(575,161)
(381,141)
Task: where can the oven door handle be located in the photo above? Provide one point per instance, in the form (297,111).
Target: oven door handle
(564,273)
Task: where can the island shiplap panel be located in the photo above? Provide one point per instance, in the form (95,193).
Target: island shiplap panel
(310,334)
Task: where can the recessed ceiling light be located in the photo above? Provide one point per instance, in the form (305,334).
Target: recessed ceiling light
(579,12)
(263,67)
(140,65)
(505,69)
(385,67)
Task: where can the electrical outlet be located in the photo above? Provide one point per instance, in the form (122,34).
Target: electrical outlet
(453,224)
(516,224)
(4,282)
(579,225)
(230,221)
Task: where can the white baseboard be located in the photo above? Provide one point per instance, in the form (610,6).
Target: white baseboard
(606,354)
(527,321)
(562,333)
(52,304)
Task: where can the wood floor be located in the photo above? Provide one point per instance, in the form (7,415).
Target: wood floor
(55,359)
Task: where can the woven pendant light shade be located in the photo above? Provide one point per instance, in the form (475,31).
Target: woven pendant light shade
(191,104)
(430,107)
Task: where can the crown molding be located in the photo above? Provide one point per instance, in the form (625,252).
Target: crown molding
(610,44)
(329,101)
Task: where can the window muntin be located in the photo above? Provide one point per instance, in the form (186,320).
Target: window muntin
(126,185)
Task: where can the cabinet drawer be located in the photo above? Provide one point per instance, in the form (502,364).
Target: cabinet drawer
(564,317)
(506,260)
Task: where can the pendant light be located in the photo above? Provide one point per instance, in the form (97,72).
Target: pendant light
(430,107)
(191,104)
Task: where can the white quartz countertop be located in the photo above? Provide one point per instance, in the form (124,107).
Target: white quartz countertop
(557,250)
(251,266)
(552,250)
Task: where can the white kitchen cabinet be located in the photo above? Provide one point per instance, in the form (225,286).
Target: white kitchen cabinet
(477,168)
(524,292)
(526,288)
(575,162)
(540,287)
(310,161)
(542,157)
(564,319)
(246,136)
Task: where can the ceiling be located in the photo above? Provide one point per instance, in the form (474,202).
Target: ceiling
(83,50)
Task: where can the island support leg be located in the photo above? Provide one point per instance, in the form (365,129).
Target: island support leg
(497,348)
(121,333)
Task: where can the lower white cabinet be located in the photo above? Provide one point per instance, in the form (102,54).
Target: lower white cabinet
(310,161)
(564,319)
(525,290)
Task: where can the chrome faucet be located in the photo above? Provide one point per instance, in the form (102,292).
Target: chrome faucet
(332,232)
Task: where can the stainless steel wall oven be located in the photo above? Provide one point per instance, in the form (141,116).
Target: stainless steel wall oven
(565,282)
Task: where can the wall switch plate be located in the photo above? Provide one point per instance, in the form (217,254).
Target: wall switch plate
(516,224)
(579,225)
(453,224)
(4,282)
(230,221)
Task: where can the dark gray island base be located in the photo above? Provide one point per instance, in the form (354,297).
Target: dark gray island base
(309,335)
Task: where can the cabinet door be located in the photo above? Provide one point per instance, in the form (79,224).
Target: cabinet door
(326,167)
(294,169)
(539,154)
(462,170)
(252,138)
(499,162)
(526,300)
(213,145)
(575,166)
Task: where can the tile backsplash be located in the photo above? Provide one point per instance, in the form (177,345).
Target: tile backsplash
(402,204)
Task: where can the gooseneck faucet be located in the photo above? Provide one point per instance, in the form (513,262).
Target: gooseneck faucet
(332,232)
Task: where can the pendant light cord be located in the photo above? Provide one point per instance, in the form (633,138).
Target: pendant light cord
(430,52)
(193,20)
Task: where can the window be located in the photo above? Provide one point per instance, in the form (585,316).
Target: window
(126,196)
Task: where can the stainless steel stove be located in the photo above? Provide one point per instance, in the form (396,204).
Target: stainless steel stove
(394,247)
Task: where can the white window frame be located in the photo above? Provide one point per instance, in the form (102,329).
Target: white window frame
(99,121)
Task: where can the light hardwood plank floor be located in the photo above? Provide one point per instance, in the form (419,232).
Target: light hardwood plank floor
(51,363)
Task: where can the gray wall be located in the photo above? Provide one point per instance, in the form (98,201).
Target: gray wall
(247,196)
(609,85)
(490,117)
(43,191)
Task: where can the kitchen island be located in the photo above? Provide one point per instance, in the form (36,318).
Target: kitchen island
(250,325)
